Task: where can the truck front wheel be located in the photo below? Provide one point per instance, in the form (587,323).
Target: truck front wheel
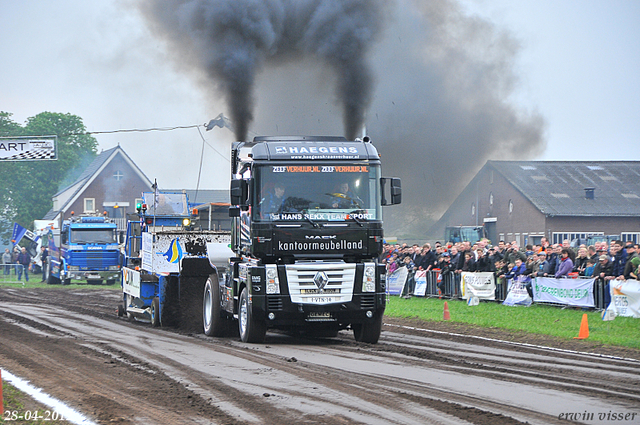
(251,330)
(368,332)
(214,323)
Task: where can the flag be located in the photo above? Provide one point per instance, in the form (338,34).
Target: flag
(18,233)
(608,314)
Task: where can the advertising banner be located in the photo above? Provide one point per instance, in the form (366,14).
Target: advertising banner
(575,292)
(625,299)
(481,285)
(396,281)
(27,148)
(518,294)
(421,283)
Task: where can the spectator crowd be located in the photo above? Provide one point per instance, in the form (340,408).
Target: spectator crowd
(620,261)
(18,261)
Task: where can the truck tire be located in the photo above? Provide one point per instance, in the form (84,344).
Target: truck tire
(66,282)
(51,279)
(155,312)
(251,330)
(368,332)
(111,281)
(215,324)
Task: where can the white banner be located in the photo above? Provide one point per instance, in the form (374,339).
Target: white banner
(396,281)
(481,285)
(421,283)
(518,294)
(577,292)
(625,298)
(28,148)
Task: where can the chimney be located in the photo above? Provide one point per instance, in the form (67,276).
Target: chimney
(589,192)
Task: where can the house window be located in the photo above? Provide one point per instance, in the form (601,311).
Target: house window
(89,205)
(491,199)
(473,209)
(118,175)
(510,206)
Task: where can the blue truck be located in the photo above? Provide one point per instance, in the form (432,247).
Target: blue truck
(165,260)
(86,248)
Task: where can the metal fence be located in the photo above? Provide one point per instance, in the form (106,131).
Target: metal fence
(447,285)
(14,273)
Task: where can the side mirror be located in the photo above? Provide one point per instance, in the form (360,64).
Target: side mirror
(395,190)
(239,192)
(234,211)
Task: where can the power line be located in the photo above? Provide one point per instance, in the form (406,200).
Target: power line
(141,130)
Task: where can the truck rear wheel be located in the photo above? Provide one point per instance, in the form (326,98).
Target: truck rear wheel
(155,312)
(368,332)
(214,323)
(251,330)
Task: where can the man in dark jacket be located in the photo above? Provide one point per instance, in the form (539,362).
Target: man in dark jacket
(25,260)
(428,258)
(483,263)
(632,252)
(619,259)
(604,271)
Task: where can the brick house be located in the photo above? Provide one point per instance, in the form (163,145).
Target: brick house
(111,183)
(526,200)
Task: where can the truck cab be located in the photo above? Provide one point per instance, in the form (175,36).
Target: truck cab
(307,233)
(88,250)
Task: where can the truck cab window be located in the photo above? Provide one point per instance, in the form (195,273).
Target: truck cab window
(321,192)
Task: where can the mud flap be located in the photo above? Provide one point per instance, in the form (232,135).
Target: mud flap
(191,296)
(169,301)
(193,276)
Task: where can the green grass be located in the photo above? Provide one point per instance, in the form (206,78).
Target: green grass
(19,402)
(537,319)
(35,283)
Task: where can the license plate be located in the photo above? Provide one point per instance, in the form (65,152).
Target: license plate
(321,300)
(318,315)
(93,276)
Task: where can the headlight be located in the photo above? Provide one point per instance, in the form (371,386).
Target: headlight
(186,222)
(369,278)
(273,284)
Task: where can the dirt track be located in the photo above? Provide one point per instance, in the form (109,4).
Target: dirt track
(73,346)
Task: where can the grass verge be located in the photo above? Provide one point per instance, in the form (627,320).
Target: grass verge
(75,284)
(537,319)
(19,404)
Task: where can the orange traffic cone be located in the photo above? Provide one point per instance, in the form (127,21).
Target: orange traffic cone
(584,328)
(447,316)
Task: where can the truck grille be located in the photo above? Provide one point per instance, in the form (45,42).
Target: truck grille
(93,259)
(303,288)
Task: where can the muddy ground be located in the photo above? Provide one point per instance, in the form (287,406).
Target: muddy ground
(73,345)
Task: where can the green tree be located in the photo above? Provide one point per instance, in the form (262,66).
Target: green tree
(29,186)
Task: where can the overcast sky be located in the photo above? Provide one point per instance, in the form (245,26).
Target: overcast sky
(577,65)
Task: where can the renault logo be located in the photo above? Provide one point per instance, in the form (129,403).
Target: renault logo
(321,280)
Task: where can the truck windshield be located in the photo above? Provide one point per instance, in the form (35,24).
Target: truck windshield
(101,236)
(166,203)
(317,191)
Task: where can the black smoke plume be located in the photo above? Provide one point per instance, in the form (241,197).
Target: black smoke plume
(232,40)
(443,100)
